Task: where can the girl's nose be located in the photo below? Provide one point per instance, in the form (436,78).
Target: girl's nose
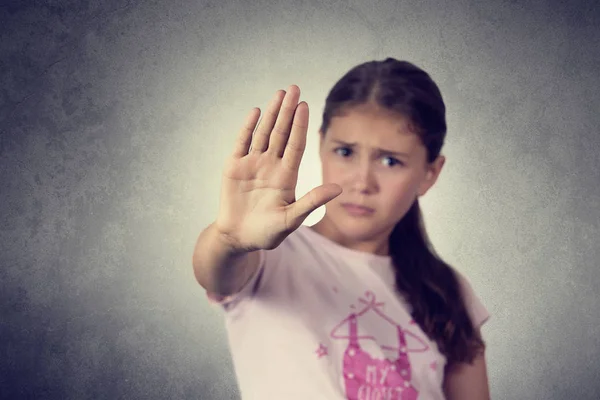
(364,179)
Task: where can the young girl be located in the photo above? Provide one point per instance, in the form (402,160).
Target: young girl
(357,306)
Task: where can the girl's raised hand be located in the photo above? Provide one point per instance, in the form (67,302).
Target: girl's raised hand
(258,208)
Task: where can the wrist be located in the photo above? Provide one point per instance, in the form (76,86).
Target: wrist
(226,242)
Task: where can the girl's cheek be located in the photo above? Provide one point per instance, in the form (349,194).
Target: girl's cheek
(336,169)
(399,186)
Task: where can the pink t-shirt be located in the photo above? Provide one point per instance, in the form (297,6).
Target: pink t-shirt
(322,321)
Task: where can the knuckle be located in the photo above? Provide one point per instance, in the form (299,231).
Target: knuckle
(280,130)
(295,146)
(298,125)
(290,108)
(289,165)
(273,113)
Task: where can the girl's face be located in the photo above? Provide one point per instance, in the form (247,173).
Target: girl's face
(379,163)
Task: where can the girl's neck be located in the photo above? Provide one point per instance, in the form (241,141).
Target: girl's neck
(378,246)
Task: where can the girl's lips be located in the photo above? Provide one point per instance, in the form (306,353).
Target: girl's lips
(355,209)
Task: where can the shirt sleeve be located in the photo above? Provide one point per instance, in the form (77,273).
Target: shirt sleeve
(477,311)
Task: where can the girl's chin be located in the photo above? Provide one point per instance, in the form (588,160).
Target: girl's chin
(352,226)
(359,227)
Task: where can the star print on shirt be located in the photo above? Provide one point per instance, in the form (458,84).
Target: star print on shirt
(321,351)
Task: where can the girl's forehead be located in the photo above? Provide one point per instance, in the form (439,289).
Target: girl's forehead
(372,127)
(372,119)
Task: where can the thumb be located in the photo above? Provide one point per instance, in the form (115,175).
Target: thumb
(301,209)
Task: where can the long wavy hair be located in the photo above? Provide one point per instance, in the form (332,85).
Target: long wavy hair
(422,277)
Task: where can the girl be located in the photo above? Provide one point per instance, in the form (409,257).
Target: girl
(357,306)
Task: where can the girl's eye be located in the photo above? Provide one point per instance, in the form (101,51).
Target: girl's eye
(394,161)
(343,148)
(347,151)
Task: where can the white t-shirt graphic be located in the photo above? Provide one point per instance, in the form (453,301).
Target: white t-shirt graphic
(321,321)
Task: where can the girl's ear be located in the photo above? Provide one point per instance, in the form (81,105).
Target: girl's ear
(433,172)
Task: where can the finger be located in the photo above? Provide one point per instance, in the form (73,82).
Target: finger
(297,140)
(281,132)
(244,138)
(301,209)
(260,140)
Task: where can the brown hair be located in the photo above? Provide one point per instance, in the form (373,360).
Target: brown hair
(428,283)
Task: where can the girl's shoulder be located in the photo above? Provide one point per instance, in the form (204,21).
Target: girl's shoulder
(475,307)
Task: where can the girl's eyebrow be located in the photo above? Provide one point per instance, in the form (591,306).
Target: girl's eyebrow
(379,149)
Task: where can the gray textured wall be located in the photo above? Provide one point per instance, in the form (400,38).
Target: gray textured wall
(116,117)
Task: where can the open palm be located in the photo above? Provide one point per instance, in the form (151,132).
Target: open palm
(258,208)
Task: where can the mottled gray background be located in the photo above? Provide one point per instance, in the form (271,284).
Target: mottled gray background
(116,117)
